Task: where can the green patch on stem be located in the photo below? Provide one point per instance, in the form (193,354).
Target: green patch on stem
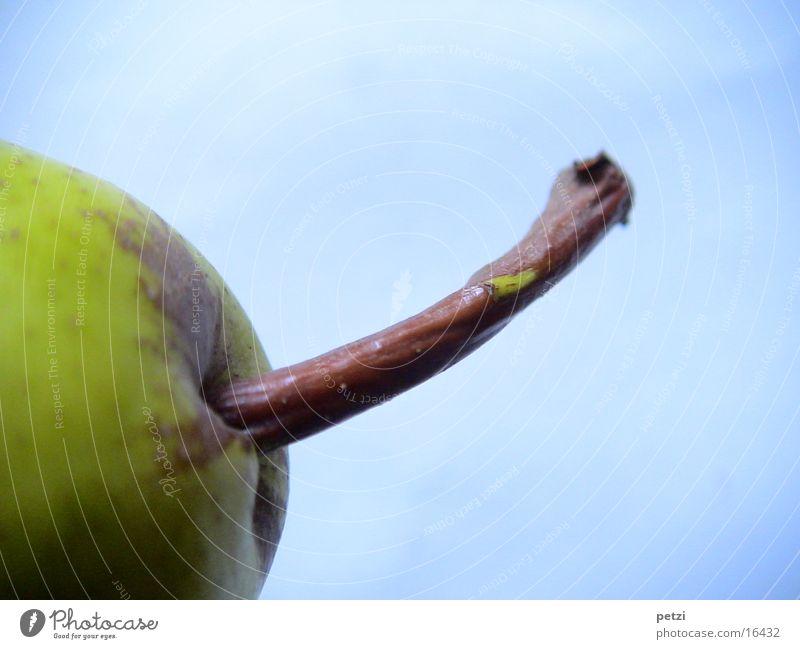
(504,286)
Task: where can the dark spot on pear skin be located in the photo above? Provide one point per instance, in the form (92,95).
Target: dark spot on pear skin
(269,512)
(170,282)
(137,206)
(173,281)
(13,234)
(167,256)
(148,290)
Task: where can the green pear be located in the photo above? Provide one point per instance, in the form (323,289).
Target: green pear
(143,433)
(118,479)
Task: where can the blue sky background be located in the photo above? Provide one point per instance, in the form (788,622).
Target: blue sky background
(345,164)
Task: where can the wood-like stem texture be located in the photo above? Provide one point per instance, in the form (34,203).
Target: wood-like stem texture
(294,402)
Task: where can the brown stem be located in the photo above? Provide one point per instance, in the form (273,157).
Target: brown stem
(294,402)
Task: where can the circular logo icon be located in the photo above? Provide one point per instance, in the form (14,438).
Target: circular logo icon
(31,622)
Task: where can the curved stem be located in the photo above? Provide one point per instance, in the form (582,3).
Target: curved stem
(294,402)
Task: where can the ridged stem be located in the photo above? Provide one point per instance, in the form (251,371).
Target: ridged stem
(291,403)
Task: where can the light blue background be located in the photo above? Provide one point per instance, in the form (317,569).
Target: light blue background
(345,164)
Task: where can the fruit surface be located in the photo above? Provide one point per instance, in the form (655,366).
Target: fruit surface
(117,478)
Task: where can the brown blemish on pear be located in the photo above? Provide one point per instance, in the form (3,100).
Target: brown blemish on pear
(177,276)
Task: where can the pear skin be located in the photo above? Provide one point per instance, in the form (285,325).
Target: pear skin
(117,476)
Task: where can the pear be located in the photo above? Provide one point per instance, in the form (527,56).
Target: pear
(143,432)
(118,478)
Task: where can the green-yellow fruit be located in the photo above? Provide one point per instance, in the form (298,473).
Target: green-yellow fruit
(117,478)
